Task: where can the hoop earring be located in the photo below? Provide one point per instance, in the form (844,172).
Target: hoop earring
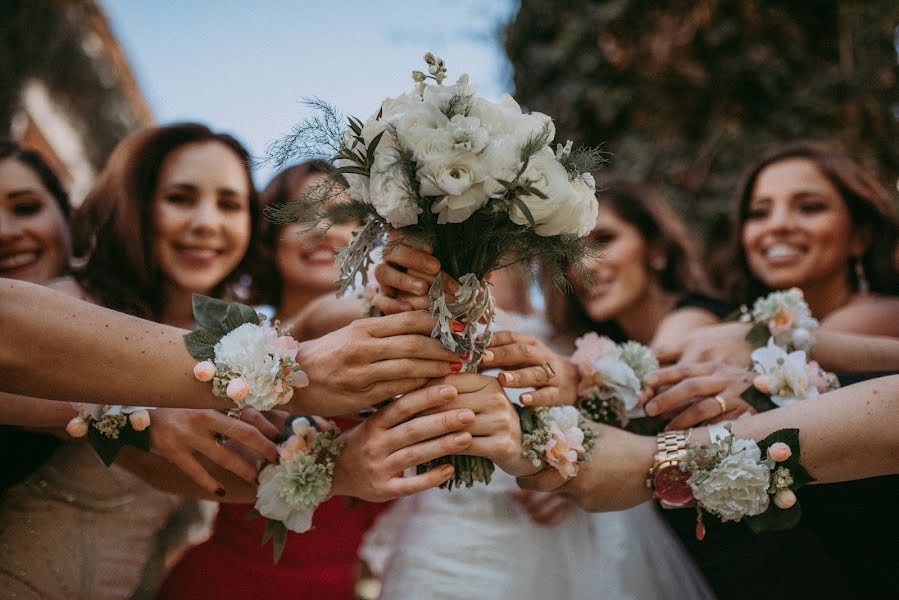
(861,280)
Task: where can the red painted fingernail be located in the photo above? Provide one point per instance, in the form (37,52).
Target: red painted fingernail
(465,356)
(455,367)
(458,326)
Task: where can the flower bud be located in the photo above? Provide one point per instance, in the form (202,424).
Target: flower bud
(238,389)
(204,371)
(418,76)
(762,383)
(77,427)
(785,499)
(779,452)
(140,420)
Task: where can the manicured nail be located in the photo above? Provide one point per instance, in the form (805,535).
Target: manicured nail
(448,392)
(526,398)
(488,356)
(461,438)
(465,356)
(420,288)
(455,367)
(220,492)
(458,326)
(650,409)
(506,377)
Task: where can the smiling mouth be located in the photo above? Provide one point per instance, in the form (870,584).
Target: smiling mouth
(198,256)
(320,255)
(19,260)
(782,253)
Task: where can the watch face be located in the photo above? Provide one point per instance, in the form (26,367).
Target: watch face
(672,487)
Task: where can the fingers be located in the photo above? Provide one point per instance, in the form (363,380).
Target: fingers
(405,323)
(427,427)
(506,338)
(683,392)
(468,383)
(696,413)
(390,306)
(668,355)
(543,481)
(228,460)
(256,419)
(412,259)
(193,469)
(545,396)
(399,368)
(244,434)
(388,389)
(416,302)
(413,403)
(406,486)
(422,452)
(671,375)
(526,377)
(388,276)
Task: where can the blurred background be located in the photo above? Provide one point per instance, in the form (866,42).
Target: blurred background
(681,94)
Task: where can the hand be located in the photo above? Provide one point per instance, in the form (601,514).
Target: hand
(527,356)
(377,452)
(725,342)
(496,428)
(179,434)
(543,508)
(692,390)
(368,361)
(614,480)
(326,314)
(405,276)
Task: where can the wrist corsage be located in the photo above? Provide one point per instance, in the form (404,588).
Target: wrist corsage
(738,480)
(108,427)
(290,491)
(611,378)
(784,378)
(252,363)
(783,316)
(558,436)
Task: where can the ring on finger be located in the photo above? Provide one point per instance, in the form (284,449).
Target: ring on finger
(550,372)
(234,413)
(220,438)
(722,404)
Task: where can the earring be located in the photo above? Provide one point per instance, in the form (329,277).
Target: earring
(861,280)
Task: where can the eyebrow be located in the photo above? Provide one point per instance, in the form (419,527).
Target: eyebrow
(23,192)
(192,188)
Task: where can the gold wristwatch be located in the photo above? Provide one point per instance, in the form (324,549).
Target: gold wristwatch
(666,479)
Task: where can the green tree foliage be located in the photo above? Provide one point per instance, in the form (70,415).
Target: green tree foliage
(687,94)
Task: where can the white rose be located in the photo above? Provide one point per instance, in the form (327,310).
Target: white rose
(389,191)
(455,209)
(417,126)
(467,134)
(392,107)
(451,176)
(358,188)
(557,214)
(245,351)
(738,486)
(585,207)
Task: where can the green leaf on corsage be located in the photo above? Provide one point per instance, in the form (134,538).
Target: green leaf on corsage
(758,334)
(758,400)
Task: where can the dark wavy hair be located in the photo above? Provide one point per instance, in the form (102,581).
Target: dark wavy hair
(642,207)
(113,230)
(869,206)
(41,168)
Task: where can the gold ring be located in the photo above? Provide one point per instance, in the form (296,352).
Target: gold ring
(721,403)
(234,413)
(219,438)
(550,372)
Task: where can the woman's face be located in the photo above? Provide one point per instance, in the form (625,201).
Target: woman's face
(201,213)
(306,260)
(620,275)
(34,237)
(798,231)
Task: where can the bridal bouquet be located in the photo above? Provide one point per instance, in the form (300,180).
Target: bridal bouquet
(476,180)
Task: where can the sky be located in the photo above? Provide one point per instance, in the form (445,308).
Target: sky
(245,68)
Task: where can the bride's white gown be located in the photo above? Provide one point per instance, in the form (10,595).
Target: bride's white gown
(476,543)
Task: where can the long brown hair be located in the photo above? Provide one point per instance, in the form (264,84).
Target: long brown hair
(869,206)
(642,207)
(113,230)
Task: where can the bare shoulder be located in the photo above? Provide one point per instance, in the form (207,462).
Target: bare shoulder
(872,314)
(70,287)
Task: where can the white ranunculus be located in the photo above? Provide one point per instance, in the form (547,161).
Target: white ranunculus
(738,486)
(389,191)
(455,209)
(245,351)
(467,134)
(391,107)
(557,213)
(358,184)
(440,95)
(271,504)
(452,176)
(500,161)
(418,126)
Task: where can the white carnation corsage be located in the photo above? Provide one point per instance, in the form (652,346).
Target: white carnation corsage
(737,480)
(611,378)
(783,316)
(247,361)
(108,427)
(290,491)
(784,378)
(558,437)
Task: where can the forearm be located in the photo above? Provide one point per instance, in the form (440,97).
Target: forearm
(25,411)
(844,352)
(846,434)
(58,347)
